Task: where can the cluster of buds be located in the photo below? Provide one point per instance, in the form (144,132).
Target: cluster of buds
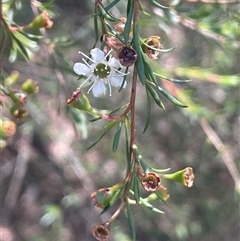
(43,20)
(16,99)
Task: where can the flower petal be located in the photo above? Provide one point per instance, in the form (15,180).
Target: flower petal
(97,55)
(113,62)
(81,69)
(98,88)
(116,81)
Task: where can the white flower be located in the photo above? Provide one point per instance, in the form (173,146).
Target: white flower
(101,72)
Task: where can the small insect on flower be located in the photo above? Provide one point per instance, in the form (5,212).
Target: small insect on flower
(103,70)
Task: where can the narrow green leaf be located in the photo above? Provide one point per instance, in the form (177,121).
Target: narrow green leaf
(95,119)
(149,110)
(96,30)
(172,79)
(116,110)
(160,170)
(117,195)
(112,4)
(171,98)
(160,197)
(107,14)
(25,40)
(137,48)
(157,4)
(128,24)
(20,46)
(110,124)
(155,96)
(142,11)
(131,222)
(149,72)
(150,206)
(114,198)
(108,127)
(116,137)
(32,37)
(206,75)
(127,143)
(136,188)
(158,50)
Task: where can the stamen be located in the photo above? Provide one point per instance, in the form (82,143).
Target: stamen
(108,54)
(120,72)
(86,80)
(95,81)
(85,62)
(103,87)
(86,56)
(110,88)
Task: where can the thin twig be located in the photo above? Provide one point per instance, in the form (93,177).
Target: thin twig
(132,103)
(223,151)
(134,84)
(194,25)
(18,174)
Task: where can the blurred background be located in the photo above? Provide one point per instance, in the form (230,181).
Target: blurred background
(47,176)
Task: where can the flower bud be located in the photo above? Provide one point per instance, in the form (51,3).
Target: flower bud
(119,27)
(162,191)
(18,113)
(7,128)
(153,43)
(150,181)
(41,21)
(184,176)
(29,87)
(79,101)
(101,232)
(127,56)
(18,98)
(102,197)
(12,78)
(112,43)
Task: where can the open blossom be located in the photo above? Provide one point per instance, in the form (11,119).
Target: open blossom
(101,71)
(101,232)
(151,181)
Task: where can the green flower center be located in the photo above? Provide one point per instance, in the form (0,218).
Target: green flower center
(102,71)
